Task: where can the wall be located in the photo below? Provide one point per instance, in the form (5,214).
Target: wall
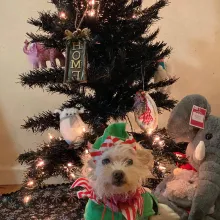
(190,27)
(16,102)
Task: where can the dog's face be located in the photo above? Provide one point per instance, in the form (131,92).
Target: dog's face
(120,170)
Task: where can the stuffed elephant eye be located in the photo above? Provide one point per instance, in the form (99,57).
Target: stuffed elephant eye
(208,136)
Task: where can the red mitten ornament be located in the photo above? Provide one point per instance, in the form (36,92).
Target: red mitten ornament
(145,111)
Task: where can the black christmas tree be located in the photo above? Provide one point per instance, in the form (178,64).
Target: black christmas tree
(123,57)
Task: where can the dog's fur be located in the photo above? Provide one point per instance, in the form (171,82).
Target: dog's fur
(101,176)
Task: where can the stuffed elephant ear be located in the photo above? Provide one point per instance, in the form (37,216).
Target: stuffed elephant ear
(178,124)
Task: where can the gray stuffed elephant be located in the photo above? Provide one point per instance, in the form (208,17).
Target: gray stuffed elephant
(203,153)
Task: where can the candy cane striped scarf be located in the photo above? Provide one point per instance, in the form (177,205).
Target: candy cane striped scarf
(129,208)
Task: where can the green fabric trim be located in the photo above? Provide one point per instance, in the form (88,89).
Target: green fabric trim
(116,130)
(149,202)
(94,211)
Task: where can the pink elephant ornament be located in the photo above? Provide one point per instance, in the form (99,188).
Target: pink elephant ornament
(38,55)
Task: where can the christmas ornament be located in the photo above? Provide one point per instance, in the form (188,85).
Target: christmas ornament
(71,125)
(76,55)
(145,111)
(162,73)
(38,55)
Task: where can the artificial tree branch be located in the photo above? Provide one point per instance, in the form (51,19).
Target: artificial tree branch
(42,77)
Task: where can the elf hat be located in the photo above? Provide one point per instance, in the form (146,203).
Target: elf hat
(114,134)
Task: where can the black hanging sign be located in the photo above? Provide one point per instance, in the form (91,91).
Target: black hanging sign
(76,62)
(76,55)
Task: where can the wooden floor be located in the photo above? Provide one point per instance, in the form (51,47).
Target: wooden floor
(8,188)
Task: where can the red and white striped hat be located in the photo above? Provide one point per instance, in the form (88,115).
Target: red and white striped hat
(115,134)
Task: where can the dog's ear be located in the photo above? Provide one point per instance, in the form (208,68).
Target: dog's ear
(146,158)
(133,151)
(89,165)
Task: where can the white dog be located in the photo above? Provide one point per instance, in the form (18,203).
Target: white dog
(119,172)
(114,176)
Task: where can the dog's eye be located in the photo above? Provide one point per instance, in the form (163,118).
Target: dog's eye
(105,161)
(129,162)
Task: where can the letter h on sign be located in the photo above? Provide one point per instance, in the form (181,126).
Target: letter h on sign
(76,62)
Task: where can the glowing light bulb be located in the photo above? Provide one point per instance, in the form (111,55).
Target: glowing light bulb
(162,168)
(157,138)
(30,183)
(69,164)
(72,175)
(86,151)
(92,2)
(50,136)
(92,13)
(161,143)
(40,163)
(62,15)
(179,155)
(150,132)
(27,199)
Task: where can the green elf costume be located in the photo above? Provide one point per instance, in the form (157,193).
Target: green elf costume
(140,205)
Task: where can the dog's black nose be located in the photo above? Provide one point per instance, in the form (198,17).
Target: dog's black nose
(118,175)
